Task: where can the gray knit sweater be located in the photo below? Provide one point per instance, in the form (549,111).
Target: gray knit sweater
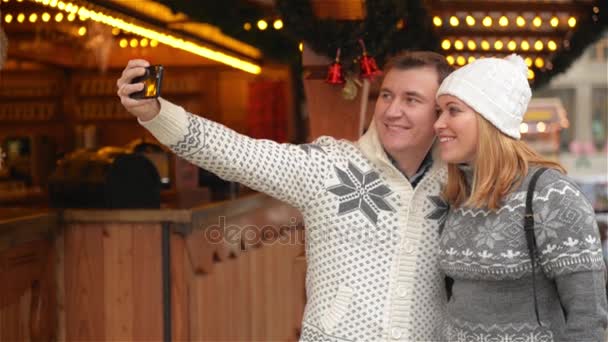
(486,254)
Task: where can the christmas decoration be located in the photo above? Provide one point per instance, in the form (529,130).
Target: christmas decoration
(350,90)
(368,66)
(334,72)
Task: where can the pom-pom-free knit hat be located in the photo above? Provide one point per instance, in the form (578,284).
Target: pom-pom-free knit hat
(495,88)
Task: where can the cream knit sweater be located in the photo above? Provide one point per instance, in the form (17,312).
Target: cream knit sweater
(371,239)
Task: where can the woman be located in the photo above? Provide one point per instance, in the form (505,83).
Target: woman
(496,296)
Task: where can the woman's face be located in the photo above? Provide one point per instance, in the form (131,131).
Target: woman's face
(456,130)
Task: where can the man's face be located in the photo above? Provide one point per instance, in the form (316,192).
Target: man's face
(405,110)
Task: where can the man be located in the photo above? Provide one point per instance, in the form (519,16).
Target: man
(371,208)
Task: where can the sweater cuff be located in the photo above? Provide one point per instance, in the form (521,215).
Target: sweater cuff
(170,125)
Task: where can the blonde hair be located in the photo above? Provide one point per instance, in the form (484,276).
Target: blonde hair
(500,166)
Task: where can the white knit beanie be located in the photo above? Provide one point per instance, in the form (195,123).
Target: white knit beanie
(495,88)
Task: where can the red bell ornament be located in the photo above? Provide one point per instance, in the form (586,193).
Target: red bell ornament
(335,75)
(369,68)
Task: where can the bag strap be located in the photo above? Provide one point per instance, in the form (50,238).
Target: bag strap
(530,237)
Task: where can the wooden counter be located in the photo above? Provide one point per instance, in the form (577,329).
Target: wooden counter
(230,271)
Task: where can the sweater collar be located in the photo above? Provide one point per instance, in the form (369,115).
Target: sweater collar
(372,148)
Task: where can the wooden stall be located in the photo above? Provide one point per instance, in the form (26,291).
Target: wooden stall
(230,271)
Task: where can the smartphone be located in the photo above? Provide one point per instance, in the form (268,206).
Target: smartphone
(152,80)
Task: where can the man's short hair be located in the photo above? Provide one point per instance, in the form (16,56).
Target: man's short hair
(418,59)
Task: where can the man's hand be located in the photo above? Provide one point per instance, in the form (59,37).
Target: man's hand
(144,109)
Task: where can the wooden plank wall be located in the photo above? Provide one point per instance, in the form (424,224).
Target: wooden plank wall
(254,296)
(27,292)
(112,285)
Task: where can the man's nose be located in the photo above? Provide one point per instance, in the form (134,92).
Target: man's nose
(394,110)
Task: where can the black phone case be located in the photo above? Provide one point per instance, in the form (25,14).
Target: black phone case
(140,95)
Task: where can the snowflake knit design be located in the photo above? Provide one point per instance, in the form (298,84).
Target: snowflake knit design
(359,191)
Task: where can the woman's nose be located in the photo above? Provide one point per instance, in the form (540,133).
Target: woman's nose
(439,124)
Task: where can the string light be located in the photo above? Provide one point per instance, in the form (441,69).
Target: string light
(247,26)
(552,45)
(539,62)
(503,21)
(450,60)
(454,21)
(124,43)
(278,24)
(537,21)
(487,21)
(523,127)
(155,37)
(528,61)
(33,17)
(525,45)
(437,21)
(446,44)
(554,22)
(301,47)
(538,45)
(520,21)
(82,31)
(470,20)
(471,45)
(530,74)
(458,45)
(541,127)
(143,42)
(572,22)
(8,18)
(498,45)
(512,45)
(485,45)
(461,60)
(262,25)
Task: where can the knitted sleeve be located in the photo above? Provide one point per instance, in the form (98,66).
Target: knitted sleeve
(565,226)
(291,173)
(583,299)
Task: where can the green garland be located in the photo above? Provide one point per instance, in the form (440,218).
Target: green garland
(379,29)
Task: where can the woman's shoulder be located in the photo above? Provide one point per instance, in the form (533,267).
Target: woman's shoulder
(551,179)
